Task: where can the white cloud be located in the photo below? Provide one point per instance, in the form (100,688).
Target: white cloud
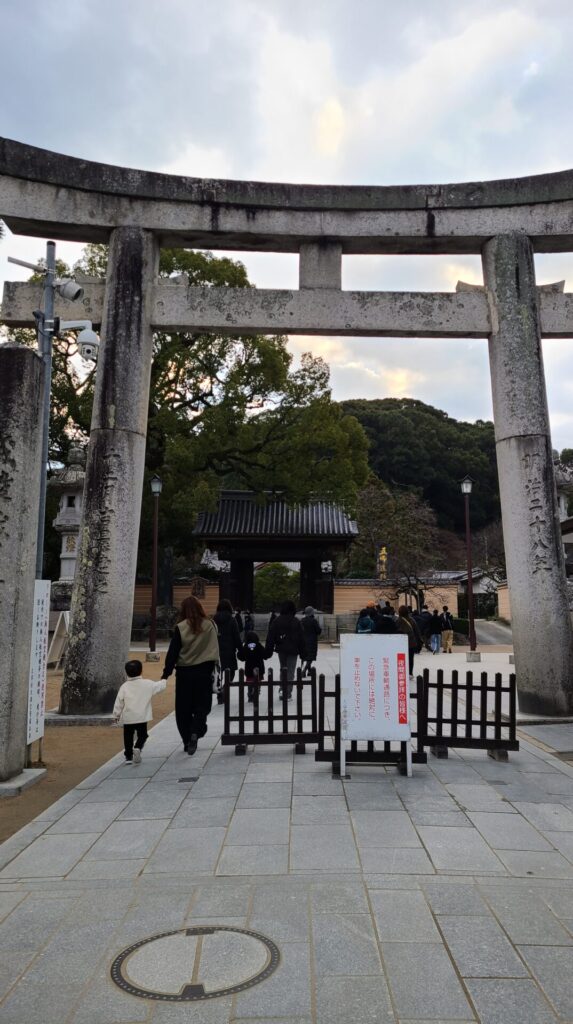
(326,92)
(198,161)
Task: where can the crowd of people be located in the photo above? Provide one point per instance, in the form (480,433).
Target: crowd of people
(203,649)
(432,630)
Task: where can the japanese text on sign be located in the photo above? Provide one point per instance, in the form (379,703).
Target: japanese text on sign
(374,687)
(38,661)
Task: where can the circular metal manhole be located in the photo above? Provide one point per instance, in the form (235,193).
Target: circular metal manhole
(195,963)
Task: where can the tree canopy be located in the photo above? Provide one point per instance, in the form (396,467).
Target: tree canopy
(224,411)
(400,522)
(414,446)
(275,583)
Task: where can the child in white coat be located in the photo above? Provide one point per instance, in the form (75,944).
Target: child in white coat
(132,708)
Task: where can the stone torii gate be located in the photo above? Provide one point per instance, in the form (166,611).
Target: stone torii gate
(49,195)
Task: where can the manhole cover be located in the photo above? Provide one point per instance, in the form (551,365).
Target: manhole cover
(195,963)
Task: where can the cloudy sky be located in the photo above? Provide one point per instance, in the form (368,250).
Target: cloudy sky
(333,91)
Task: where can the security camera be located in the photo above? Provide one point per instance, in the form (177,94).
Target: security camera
(88,344)
(68,289)
(88,341)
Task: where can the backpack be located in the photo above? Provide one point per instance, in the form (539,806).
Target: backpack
(364,624)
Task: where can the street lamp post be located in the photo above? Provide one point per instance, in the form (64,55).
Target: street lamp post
(45,327)
(156,487)
(466,486)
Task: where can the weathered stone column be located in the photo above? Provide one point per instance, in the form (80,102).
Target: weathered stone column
(102,598)
(540,619)
(21,379)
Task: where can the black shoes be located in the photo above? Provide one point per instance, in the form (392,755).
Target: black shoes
(192,745)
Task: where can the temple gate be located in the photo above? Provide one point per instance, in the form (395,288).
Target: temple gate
(244,531)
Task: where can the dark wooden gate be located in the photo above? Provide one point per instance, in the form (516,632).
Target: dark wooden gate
(458,725)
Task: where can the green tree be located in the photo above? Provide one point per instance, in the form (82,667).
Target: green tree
(275,583)
(415,446)
(224,411)
(405,525)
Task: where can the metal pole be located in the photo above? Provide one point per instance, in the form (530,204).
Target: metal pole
(470,577)
(45,334)
(153,627)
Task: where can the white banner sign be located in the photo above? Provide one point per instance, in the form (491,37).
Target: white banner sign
(38,660)
(374,689)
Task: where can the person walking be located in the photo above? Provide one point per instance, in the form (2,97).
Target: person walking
(132,708)
(239,621)
(385,623)
(435,632)
(229,642)
(253,654)
(447,630)
(193,653)
(311,631)
(285,636)
(406,626)
(365,623)
(425,624)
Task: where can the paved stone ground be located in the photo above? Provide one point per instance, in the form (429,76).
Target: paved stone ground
(444,897)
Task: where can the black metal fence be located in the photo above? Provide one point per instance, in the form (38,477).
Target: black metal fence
(280,721)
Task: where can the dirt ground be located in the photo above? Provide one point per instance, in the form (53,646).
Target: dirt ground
(72,752)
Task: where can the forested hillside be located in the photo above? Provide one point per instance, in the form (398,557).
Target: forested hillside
(414,446)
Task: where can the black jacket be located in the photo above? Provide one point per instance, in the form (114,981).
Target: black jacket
(447,620)
(253,655)
(311,631)
(229,639)
(385,624)
(425,623)
(436,625)
(285,636)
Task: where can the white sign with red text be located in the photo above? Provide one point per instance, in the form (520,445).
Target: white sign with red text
(374,689)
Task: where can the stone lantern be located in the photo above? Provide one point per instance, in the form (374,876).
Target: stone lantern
(69,484)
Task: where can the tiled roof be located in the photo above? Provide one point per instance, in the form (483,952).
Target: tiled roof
(238,515)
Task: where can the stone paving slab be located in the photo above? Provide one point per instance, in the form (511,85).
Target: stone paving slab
(444,897)
(423,981)
(510,1002)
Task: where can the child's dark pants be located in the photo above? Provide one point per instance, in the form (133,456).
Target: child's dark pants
(128,733)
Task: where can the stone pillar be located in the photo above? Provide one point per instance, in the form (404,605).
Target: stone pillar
(21,381)
(102,600)
(541,623)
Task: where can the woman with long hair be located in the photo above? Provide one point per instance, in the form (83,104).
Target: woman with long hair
(193,653)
